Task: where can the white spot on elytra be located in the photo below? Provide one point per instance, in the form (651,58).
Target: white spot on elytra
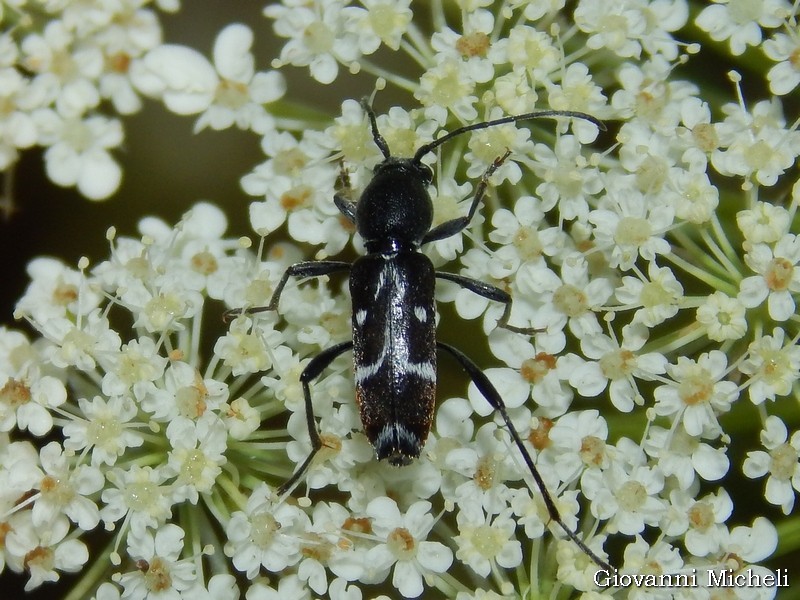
(423,370)
(396,432)
(379,287)
(402,366)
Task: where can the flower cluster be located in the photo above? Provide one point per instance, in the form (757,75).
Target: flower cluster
(65,72)
(658,263)
(70,71)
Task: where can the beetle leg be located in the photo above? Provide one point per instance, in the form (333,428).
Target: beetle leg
(488,391)
(492,293)
(311,268)
(454,226)
(312,370)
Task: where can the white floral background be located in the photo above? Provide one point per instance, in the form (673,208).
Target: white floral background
(142,440)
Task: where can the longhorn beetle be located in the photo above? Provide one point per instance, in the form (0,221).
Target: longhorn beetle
(392,287)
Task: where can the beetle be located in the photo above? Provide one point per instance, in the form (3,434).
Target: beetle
(393,308)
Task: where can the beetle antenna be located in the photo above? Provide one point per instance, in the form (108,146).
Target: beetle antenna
(380,142)
(512,119)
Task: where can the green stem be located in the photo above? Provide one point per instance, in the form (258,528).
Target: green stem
(712,281)
(91,579)
(408,85)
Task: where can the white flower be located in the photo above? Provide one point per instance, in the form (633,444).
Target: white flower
(722,317)
(781,462)
(576,90)
(487,145)
(104,428)
(755,145)
(446,88)
(520,233)
(568,179)
(265,534)
(483,542)
(614,26)
(66,489)
(226,93)
(20,473)
(138,362)
(246,350)
(616,365)
(180,76)
(138,494)
(658,295)
(778,277)
(326,547)
(318,37)
(482,266)
(631,227)
(290,587)
(240,418)
(577,441)
(383,21)
(764,222)
(282,177)
(487,463)
(784,76)
(285,181)
(473,48)
(341,449)
(662,18)
(26,404)
(181,392)
(221,586)
(571,298)
(161,572)
(536,371)
(78,152)
(70,69)
(626,494)
(512,388)
(44,550)
(405,545)
(17,128)
(652,95)
(740,21)
(107,591)
(699,136)
(514,92)
(533,514)
(124,39)
(743,545)
(699,521)
(163,308)
(421,479)
(695,197)
(683,456)
(197,454)
(661,556)
(698,394)
(80,342)
(773,367)
(531,51)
